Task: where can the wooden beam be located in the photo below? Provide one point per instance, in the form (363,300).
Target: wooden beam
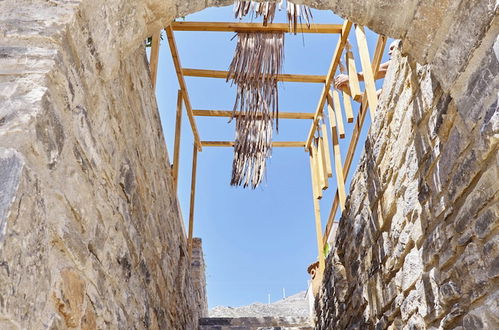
(380,44)
(317,170)
(278,144)
(378,54)
(251,27)
(320,240)
(193,195)
(228,113)
(340,178)
(331,115)
(327,154)
(333,99)
(345,30)
(353,78)
(304,78)
(313,177)
(183,86)
(176,147)
(347,103)
(153,61)
(369,82)
(322,164)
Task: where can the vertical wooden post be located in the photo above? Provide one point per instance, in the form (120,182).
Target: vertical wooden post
(327,155)
(176,148)
(317,214)
(313,176)
(352,76)
(347,103)
(153,61)
(193,195)
(334,99)
(323,162)
(318,169)
(367,70)
(340,178)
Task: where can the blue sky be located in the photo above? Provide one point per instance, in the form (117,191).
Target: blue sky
(256,242)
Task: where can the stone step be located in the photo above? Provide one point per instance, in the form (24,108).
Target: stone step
(255,323)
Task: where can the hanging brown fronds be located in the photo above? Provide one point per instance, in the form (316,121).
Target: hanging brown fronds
(265,9)
(298,14)
(251,151)
(255,69)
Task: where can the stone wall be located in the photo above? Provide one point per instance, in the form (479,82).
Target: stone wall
(198,274)
(90,233)
(418,244)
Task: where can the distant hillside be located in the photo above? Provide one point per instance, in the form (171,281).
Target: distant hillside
(293,306)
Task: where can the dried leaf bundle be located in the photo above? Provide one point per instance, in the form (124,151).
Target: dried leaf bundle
(296,13)
(252,148)
(254,69)
(265,9)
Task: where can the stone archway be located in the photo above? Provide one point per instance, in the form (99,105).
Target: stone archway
(90,233)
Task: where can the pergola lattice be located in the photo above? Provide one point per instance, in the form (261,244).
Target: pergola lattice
(319,138)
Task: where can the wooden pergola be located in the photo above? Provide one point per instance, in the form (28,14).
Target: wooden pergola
(320,136)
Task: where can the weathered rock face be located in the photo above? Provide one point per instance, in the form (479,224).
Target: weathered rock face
(90,234)
(423,210)
(199,277)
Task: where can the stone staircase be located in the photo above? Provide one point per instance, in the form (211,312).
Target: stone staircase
(255,323)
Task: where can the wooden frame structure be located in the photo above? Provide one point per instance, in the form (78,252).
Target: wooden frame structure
(320,138)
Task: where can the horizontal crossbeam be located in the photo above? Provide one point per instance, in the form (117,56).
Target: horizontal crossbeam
(252,27)
(228,113)
(282,77)
(288,144)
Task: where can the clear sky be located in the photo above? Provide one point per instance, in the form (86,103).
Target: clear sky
(256,242)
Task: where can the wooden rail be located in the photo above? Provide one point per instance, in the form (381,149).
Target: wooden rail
(228,113)
(282,77)
(251,27)
(282,144)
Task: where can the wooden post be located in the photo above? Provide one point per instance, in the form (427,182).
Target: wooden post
(317,215)
(327,155)
(367,70)
(176,147)
(320,241)
(153,61)
(193,194)
(334,101)
(340,178)
(347,103)
(352,76)
(313,176)
(323,162)
(317,170)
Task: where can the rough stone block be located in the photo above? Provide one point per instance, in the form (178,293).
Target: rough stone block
(412,269)
(11,166)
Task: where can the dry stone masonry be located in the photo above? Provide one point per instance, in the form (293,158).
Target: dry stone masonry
(90,231)
(423,211)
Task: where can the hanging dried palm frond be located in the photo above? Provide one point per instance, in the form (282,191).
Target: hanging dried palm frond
(298,14)
(265,9)
(251,151)
(254,69)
